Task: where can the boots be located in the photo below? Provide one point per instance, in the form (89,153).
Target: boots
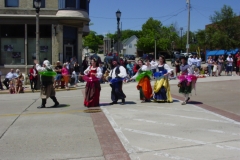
(55,101)
(43,103)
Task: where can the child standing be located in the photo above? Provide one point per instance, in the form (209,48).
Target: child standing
(11,87)
(215,68)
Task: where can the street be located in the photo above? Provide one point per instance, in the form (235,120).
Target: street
(141,131)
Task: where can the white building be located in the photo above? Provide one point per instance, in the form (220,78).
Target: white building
(129,46)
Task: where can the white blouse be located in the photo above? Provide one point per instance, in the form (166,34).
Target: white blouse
(98,74)
(143,68)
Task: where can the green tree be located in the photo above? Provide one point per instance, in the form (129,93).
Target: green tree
(93,41)
(150,31)
(227,33)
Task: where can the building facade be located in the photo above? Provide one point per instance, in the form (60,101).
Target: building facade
(129,46)
(62,24)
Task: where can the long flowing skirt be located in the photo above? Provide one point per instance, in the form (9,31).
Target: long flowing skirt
(162,91)
(185,87)
(145,88)
(92,94)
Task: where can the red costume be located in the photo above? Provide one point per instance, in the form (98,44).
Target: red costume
(93,88)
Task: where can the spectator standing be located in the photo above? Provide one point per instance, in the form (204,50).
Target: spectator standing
(229,64)
(85,64)
(33,77)
(220,65)
(11,75)
(237,57)
(153,66)
(210,65)
(177,66)
(58,77)
(1,87)
(76,68)
(65,75)
(130,69)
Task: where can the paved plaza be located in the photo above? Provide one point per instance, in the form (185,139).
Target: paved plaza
(208,128)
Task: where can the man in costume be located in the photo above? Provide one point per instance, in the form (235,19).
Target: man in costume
(116,76)
(47,80)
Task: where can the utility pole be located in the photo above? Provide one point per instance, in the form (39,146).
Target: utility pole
(187,46)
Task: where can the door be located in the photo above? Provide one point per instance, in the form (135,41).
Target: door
(68,52)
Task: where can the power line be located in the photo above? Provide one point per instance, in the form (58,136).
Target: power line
(199,12)
(169,15)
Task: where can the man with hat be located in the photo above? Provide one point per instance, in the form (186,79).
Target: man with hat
(117,74)
(47,79)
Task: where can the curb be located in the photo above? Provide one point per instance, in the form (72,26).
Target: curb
(30,91)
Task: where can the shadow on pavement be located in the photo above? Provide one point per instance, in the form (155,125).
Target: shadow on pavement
(60,106)
(194,102)
(126,103)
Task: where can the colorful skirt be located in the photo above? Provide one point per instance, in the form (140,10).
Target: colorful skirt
(162,91)
(92,94)
(145,88)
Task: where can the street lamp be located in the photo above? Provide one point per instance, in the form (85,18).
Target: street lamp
(118,15)
(37,4)
(181,28)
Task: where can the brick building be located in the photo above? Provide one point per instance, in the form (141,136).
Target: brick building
(62,25)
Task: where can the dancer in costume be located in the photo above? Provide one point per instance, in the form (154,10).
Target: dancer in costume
(93,74)
(116,76)
(143,78)
(187,79)
(47,80)
(161,89)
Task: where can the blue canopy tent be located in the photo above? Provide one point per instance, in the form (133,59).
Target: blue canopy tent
(232,51)
(220,52)
(211,53)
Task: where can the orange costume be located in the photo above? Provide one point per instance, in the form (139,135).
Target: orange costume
(144,85)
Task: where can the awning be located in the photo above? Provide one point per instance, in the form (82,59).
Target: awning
(232,51)
(211,53)
(220,52)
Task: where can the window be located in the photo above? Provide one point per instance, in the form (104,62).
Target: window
(11,3)
(42,4)
(83,4)
(130,45)
(70,4)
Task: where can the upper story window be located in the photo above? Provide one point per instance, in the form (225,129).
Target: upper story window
(130,45)
(83,4)
(11,3)
(42,4)
(70,3)
(73,4)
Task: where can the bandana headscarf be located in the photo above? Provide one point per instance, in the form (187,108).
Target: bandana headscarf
(47,64)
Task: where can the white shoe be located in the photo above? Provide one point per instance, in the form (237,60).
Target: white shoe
(184,103)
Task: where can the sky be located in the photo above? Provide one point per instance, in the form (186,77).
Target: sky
(136,12)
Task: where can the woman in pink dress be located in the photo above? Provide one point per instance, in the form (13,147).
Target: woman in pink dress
(65,75)
(92,76)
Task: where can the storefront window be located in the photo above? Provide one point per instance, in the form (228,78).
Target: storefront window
(45,50)
(45,43)
(12,45)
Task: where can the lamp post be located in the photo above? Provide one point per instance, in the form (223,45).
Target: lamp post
(181,28)
(37,4)
(118,15)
